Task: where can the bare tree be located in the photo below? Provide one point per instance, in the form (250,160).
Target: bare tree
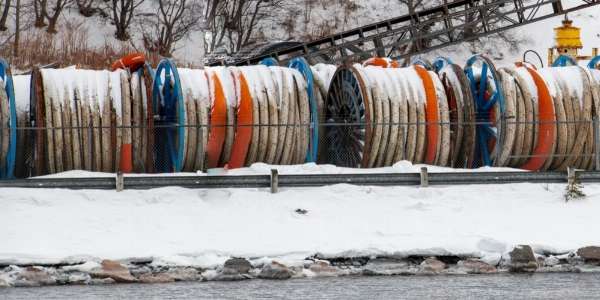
(56,9)
(86,7)
(121,14)
(39,9)
(173,22)
(4,16)
(236,22)
(17,28)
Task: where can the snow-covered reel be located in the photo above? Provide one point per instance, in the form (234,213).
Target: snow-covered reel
(486,88)
(304,68)
(377,116)
(8,122)
(563,61)
(461,110)
(168,106)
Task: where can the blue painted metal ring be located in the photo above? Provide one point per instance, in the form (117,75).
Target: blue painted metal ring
(594,63)
(269,62)
(303,67)
(5,74)
(484,104)
(564,61)
(440,63)
(167,102)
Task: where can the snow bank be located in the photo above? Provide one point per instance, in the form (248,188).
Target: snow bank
(180,226)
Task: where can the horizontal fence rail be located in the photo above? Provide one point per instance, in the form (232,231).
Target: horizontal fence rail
(296,181)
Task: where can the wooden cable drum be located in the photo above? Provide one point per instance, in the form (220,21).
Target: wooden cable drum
(347,103)
(444,115)
(546,117)
(37,120)
(291,95)
(256,92)
(380,107)
(323,73)
(562,126)
(190,121)
(229,89)
(270,93)
(508,134)
(218,121)
(283,107)
(462,115)
(432,115)
(244,121)
(411,98)
(137,122)
(525,93)
(397,139)
(304,132)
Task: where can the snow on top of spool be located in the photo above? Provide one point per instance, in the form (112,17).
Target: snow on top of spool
(572,77)
(277,75)
(22,89)
(454,82)
(254,81)
(439,86)
(415,82)
(392,86)
(264,74)
(522,71)
(227,83)
(595,74)
(323,74)
(115,90)
(551,83)
(235,73)
(186,86)
(195,82)
(102,83)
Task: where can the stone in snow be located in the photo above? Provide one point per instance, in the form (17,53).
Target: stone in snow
(237,266)
(114,270)
(432,265)
(476,266)
(275,270)
(590,253)
(388,266)
(522,259)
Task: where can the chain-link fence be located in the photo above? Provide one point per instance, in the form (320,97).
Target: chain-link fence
(166,148)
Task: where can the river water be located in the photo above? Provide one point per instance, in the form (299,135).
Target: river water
(536,286)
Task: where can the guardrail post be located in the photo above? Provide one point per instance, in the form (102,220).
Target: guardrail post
(424,177)
(572,175)
(274,181)
(119,182)
(596,124)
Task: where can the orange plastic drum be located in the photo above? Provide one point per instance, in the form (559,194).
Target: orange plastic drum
(377,61)
(132,62)
(547,127)
(218,124)
(431,114)
(243,128)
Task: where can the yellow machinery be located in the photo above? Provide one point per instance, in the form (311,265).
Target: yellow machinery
(567,45)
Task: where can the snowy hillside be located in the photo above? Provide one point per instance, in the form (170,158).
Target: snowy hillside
(305,20)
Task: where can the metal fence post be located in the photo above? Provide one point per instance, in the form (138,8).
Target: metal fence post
(424,177)
(274,181)
(596,125)
(119,182)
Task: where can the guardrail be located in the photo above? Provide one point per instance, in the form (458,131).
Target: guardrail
(291,181)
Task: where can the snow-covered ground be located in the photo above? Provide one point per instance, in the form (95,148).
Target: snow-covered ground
(204,227)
